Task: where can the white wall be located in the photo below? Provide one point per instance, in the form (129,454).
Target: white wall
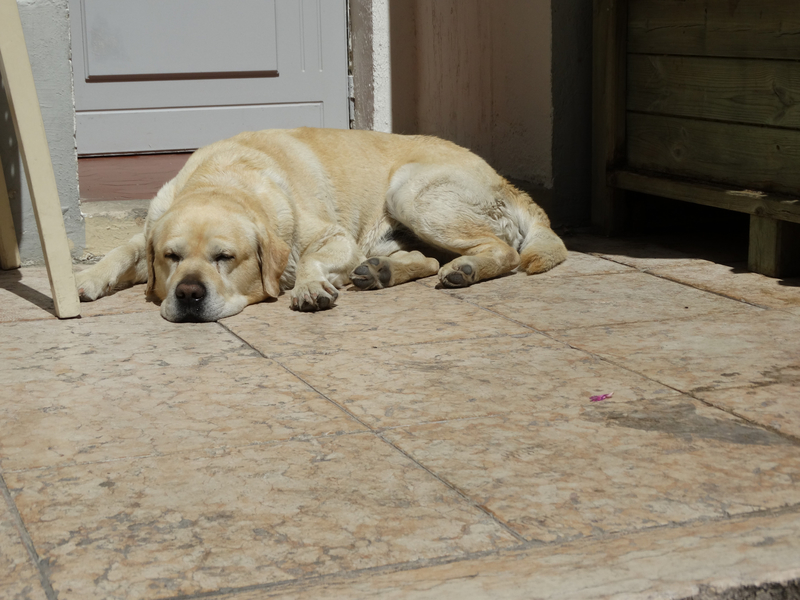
(484,69)
(477,72)
(509,79)
(45,24)
(371,47)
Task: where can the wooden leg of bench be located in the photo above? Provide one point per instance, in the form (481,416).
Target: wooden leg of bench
(9,250)
(609,76)
(23,101)
(774,247)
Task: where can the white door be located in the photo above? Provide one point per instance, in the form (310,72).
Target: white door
(172,75)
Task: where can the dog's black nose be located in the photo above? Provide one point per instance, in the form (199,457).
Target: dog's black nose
(190,292)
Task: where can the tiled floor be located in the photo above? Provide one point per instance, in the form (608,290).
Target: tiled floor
(410,443)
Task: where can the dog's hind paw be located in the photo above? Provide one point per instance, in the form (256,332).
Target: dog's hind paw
(313,296)
(458,273)
(372,274)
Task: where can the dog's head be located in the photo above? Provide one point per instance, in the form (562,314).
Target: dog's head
(210,255)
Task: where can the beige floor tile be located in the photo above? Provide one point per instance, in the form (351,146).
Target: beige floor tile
(125,301)
(87,417)
(404,385)
(114,346)
(727,281)
(609,468)
(666,563)
(776,406)
(636,253)
(578,264)
(752,346)
(182,524)
(25,295)
(592,300)
(19,579)
(404,314)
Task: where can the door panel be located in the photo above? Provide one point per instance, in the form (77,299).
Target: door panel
(237,38)
(202,75)
(119,131)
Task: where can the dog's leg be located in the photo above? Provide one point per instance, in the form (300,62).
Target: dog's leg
(457,212)
(322,270)
(483,259)
(122,267)
(399,267)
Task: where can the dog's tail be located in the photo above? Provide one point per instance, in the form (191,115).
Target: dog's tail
(541,249)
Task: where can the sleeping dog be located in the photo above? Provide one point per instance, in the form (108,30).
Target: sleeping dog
(310,211)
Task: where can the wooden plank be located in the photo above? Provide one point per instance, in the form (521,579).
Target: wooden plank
(758,92)
(9,249)
(747,156)
(774,247)
(27,118)
(741,200)
(608,112)
(136,177)
(737,28)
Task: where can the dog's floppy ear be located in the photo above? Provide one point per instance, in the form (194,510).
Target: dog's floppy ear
(151,272)
(273,256)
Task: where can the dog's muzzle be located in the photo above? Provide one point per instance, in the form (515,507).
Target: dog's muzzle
(190,295)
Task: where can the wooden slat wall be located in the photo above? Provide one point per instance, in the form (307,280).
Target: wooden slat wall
(758,92)
(608,112)
(733,28)
(742,155)
(714,91)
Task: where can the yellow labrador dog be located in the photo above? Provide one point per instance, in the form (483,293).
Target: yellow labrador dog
(313,210)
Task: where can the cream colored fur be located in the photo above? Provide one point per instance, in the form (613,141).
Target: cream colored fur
(313,210)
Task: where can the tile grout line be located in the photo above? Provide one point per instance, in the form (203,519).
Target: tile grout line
(647,271)
(460,492)
(789,437)
(732,412)
(27,541)
(343,576)
(378,434)
(408,566)
(288,370)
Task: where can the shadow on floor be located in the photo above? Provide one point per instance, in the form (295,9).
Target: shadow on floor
(11,281)
(670,229)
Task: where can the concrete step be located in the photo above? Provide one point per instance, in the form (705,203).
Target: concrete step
(112,223)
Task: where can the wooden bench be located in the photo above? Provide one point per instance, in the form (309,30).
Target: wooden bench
(699,100)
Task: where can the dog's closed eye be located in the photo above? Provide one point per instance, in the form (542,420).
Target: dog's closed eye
(172,256)
(223,257)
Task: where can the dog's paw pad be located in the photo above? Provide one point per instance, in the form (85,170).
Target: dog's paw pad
(313,296)
(457,275)
(372,274)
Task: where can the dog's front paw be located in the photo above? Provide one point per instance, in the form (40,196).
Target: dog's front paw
(312,296)
(90,287)
(458,273)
